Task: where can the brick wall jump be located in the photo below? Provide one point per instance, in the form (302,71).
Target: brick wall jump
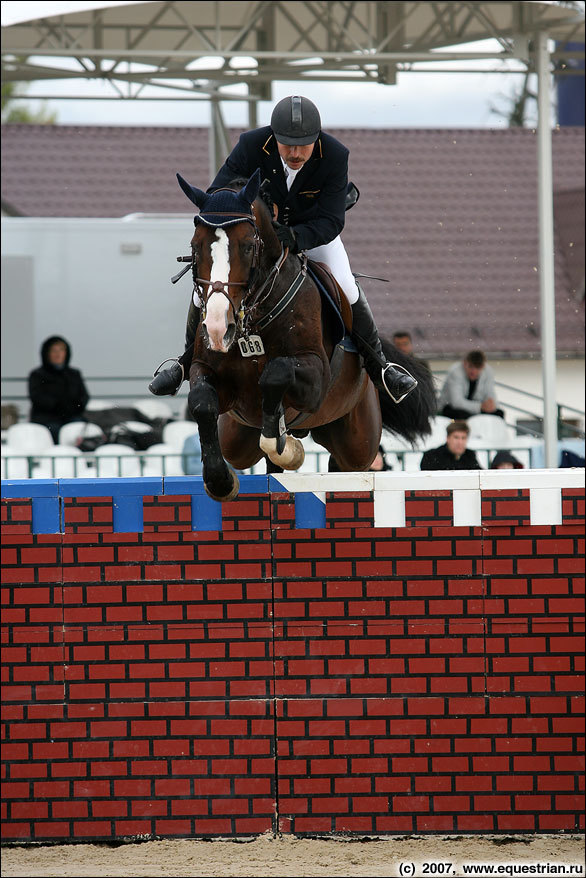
(287,663)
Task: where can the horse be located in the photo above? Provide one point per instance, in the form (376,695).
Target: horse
(268,368)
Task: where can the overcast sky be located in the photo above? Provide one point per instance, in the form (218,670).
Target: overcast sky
(459,100)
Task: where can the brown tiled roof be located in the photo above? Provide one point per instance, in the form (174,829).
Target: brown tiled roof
(449,216)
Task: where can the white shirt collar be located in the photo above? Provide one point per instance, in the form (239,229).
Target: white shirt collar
(290,174)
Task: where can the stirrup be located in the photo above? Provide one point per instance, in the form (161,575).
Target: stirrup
(405,372)
(160,369)
(170,360)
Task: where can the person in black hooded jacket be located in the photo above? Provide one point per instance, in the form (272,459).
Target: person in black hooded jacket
(57,391)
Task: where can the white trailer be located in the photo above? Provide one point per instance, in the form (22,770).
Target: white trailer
(104,284)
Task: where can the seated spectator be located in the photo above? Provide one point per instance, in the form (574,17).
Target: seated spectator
(57,391)
(469,389)
(404,343)
(453,454)
(191,456)
(379,463)
(505,460)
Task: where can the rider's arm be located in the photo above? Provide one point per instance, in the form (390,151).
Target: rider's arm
(455,392)
(328,221)
(325,219)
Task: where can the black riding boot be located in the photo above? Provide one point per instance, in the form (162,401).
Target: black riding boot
(397,382)
(168,381)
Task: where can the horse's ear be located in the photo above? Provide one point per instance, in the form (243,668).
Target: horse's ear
(195,195)
(250,191)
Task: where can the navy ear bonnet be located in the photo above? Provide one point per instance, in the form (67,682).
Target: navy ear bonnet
(224,207)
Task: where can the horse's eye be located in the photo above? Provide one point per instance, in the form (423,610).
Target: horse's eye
(246,248)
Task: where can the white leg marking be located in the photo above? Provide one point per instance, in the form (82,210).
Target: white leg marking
(217,307)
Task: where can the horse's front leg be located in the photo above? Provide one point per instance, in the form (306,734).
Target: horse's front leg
(303,383)
(221,483)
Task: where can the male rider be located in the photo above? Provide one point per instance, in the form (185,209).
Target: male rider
(307,171)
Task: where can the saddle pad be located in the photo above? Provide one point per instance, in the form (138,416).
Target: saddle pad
(330,309)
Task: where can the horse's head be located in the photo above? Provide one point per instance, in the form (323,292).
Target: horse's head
(226,248)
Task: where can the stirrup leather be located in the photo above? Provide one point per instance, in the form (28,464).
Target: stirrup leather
(405,372)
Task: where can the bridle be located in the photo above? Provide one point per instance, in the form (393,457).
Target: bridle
(254,296)
(205,288)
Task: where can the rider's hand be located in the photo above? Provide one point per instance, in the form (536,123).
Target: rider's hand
(286,236)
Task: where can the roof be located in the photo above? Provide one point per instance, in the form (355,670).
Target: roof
(449,216)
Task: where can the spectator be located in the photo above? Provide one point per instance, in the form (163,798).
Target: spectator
(57,391)
(469,389)
(404,343)
(379,464)
(191,455)
(505,460)
(453,454)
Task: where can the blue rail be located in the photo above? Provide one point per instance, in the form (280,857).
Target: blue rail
(127,500)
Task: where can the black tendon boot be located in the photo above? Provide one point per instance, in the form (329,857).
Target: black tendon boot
(168,381)
(390,377)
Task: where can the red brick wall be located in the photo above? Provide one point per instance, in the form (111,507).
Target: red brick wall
(346,679)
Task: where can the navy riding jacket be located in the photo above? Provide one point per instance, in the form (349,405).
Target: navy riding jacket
(314,207)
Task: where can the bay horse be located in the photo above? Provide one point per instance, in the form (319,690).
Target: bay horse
(267,367)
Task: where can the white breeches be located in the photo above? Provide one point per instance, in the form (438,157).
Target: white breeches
(335,257)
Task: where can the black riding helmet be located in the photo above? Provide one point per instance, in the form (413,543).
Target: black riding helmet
(295,121)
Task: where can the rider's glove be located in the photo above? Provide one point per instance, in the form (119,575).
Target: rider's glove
(286,236)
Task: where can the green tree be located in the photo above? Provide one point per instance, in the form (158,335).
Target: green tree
(15,111)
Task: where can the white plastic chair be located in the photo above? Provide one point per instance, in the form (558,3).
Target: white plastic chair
(98,405)
(114,460)
(70,434)
(29,438)
(153,408)
(490,430)
(14,464)
(62,462)
(161,460)
(176,432)
(438,432)
(412,461)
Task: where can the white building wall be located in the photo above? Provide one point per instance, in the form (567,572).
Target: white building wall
(526,375)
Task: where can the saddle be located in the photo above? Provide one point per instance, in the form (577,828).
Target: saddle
(335,305)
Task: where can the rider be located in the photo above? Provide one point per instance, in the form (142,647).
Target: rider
(307,171)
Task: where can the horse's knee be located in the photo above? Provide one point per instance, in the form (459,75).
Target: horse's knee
(278,375)
(203,401)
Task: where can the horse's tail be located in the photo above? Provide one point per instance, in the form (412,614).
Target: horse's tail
(409,419)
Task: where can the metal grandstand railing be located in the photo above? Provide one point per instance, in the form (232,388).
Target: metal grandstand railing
(123,391)
(570,420)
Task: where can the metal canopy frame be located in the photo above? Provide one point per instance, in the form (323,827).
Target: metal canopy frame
(255,42)
(182,50)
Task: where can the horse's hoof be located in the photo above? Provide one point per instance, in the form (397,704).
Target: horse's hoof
(231,495)
(292,455)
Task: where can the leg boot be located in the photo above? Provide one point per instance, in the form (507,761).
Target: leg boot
(166,382)
(390,377)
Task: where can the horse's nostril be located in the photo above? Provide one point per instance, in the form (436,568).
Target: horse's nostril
(230,335)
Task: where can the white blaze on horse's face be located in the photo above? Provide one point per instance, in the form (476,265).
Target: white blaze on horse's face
(218,305)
